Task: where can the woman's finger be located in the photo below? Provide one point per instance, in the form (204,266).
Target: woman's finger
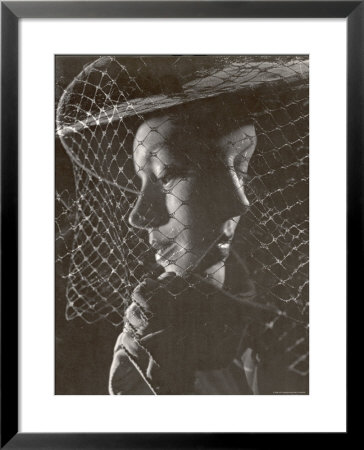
(137,351)
(137,317)
(147,365)
(152,295)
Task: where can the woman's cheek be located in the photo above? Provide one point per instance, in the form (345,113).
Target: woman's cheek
(183,189)
(180,195)
(188,206)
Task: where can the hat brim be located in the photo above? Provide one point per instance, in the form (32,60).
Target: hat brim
(237,77)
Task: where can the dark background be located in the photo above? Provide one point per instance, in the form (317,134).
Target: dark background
(83,352)
(278,192)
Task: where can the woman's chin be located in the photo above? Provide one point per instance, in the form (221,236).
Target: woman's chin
(180,267)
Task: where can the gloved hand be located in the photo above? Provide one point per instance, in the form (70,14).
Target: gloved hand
(175,326)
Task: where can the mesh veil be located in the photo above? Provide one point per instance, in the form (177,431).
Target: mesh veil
(103,258)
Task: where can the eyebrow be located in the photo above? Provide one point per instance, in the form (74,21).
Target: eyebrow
(157,146)
(150,154)
(152,148)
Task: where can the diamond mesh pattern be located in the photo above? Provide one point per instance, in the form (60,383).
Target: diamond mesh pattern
(103,258)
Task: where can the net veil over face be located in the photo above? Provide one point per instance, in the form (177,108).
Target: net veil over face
(196,165)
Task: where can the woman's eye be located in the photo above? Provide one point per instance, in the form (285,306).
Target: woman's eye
(170,175)
(167,178)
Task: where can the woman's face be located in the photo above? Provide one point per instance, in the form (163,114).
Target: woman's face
(180,202)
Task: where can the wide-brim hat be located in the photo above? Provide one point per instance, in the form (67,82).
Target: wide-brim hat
(113,88)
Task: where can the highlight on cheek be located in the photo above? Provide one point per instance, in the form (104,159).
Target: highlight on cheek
(172,175)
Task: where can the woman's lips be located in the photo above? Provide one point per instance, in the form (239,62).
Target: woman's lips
(169,254)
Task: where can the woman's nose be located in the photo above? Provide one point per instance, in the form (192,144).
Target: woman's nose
(150,210)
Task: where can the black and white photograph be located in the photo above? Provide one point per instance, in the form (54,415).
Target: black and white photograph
(182,224)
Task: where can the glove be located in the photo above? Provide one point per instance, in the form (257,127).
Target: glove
(175,326)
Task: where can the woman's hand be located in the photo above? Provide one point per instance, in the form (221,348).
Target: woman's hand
(175,326)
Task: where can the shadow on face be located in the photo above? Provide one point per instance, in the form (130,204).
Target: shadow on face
(192,176)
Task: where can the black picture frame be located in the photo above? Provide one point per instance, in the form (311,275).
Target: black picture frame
(11,12)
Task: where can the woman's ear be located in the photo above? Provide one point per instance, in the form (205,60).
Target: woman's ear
(237,147)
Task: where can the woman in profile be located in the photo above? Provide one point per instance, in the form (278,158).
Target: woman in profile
(195,324)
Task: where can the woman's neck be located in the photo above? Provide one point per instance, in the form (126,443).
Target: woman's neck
(216,274)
